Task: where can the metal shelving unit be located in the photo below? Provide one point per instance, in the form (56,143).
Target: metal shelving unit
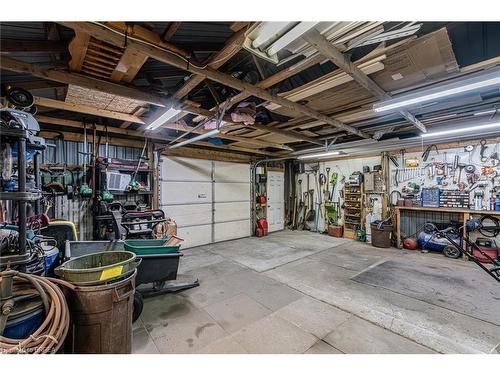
(22,196)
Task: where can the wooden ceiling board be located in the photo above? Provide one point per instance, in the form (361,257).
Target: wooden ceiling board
(102,100)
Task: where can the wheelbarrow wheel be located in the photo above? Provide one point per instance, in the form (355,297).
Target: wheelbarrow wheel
(138,305)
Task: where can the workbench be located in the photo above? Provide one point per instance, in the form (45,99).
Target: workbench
(443,213)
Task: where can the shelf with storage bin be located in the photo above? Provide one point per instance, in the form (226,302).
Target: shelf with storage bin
(353,210)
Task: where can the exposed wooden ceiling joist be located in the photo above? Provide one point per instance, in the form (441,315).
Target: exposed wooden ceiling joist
(83,81)
(232,46)
(289,134)
(156,52)
(170,31)
(321,44)
(135,133)
(257,142)
(93,83)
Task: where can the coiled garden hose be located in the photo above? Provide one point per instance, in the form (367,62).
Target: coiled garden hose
(50,335)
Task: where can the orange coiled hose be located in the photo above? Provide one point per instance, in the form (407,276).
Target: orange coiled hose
(49,337)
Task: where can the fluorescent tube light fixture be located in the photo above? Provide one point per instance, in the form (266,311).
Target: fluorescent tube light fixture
(268,38)
(267,31)
(462,130)
(164,118)
(443,91)
(318,155)
(195,139)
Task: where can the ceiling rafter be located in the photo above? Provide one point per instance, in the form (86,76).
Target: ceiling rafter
(136,133)
(120,90)
(159,54)
(325,48)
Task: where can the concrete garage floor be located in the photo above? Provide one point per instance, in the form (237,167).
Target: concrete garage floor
(302,292)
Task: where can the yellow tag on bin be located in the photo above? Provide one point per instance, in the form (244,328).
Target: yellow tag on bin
(111,272)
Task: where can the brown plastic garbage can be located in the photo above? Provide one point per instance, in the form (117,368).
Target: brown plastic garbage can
(381,237)
(101,318)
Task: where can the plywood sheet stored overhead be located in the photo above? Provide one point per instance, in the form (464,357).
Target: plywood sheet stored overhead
(102,100)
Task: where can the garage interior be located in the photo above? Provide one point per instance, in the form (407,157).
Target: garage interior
(250,187)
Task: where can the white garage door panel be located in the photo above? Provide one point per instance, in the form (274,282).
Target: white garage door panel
(231,172)
(206,209)
(190,214)
(232,230)
(186,169)
(232,211)
(195,236)
(186,192)
(236,191)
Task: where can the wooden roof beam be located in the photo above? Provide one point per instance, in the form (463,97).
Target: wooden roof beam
(83,81)
(286,133)
(170,31)
(135,133)
(319,42)
(257,142)
(156,52)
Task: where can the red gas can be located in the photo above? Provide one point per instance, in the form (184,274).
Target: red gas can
(262,223)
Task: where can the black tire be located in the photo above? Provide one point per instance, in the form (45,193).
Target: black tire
(138,306)
(451,252)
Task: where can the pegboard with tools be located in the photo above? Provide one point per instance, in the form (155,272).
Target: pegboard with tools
(467,176)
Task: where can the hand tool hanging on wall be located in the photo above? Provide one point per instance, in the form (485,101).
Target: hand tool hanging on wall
(311,214)
(333,183)
(455,168)
(106,196)
(494,158)
(85,190)
(469,149)
(484,159)
(323,183)
(328,183)
(425,154)
(134,184)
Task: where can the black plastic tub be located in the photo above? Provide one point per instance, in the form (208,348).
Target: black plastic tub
(157,267)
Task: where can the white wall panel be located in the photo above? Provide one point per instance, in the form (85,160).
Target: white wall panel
(231,230)
(232,211)
(232,191)
(186,192)
(186,169)
(190,214)
(186,196)
(195,236)
(225,171)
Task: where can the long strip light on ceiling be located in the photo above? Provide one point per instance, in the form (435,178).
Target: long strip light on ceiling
(462,130)
(318,155)
(195,139)
(268,38)
(163,118)
(442,91)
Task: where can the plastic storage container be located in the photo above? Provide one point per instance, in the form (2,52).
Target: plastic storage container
(98,268)
(381,237)
(150,247)
(101,318)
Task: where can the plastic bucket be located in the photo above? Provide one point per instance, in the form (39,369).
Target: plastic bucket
(101,318)
(50,255)
(98,268)
(381,237)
